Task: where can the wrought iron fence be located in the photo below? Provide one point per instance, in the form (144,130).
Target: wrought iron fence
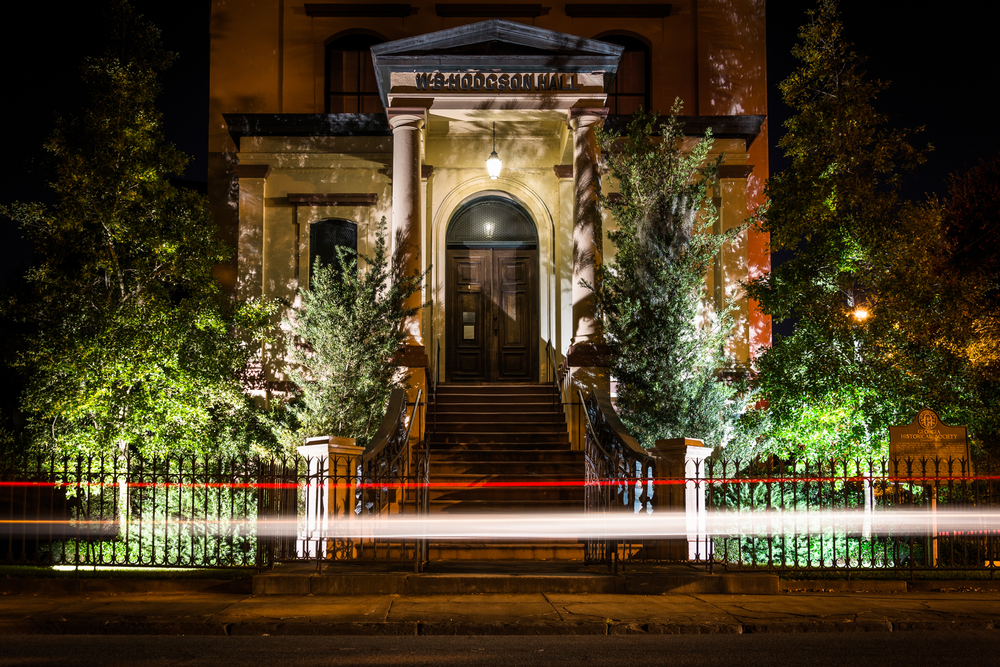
(172,512)
(343,497)
(619,475)
(213,512)
(851,515)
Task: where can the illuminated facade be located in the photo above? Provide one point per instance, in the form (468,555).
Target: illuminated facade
(326,117)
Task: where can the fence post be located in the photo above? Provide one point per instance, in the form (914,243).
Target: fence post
(680,486)
(316,452)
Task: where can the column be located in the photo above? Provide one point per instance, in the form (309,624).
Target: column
(406,124)
(587,357)
(733,258)
(250,244)
(587,230)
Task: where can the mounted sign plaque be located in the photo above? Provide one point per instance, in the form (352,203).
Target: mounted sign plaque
(929,447)
(497,82)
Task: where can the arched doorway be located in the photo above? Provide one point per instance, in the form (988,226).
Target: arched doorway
(491,292)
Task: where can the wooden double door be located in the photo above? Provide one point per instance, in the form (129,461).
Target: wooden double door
(492,315)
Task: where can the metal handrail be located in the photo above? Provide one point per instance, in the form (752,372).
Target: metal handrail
(602,405)
(413,415)
(617,471)
(391,425)
(437,363)
(551,352)
(434,384)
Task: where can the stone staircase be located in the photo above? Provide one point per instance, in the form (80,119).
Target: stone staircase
(490,439)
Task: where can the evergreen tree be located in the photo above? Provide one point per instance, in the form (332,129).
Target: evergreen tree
(870,345)
(132,344)
(972,267)
(666,352)
(342,340)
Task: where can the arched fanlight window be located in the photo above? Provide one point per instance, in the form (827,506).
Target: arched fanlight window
(350,75)
(491,221)
(326,238)
(632,83)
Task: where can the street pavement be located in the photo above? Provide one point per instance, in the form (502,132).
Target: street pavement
(965,607)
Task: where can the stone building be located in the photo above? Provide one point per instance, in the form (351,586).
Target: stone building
(325,117)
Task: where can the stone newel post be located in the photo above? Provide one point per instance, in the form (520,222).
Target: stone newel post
(330,495)
(683,459)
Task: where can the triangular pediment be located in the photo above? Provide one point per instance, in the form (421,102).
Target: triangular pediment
(496,37)
(494,46)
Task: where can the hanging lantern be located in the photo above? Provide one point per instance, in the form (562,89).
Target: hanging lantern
(493,162)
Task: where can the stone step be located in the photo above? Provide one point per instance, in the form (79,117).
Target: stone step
(494,427)
(446,401)
(523,469)
(510,501)
(492,438)
(483,450)
(533,551)
(446,420)
(493,388)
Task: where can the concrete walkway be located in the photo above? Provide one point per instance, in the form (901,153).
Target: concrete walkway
(206,612)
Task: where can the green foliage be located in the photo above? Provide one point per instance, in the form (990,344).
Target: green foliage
(342,340)
(133,346)
(844,376)
(666,352)
(972,266)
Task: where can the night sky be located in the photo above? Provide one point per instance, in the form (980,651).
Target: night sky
(940,58)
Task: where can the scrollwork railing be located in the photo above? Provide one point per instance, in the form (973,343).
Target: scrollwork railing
(394,478)
(619,473)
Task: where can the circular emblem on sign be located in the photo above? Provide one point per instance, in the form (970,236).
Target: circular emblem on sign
(927,419)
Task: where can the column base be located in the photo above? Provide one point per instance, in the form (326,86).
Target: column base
(588,354)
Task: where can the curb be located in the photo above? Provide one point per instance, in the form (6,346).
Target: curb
(499,628)
(68,586)
(454,584)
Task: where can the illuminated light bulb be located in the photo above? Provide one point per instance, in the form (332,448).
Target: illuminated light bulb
(493,165)
(860,314)
(493,162)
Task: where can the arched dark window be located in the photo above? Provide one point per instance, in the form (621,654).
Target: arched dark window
(491,221)
(350,75)
(632,83)
(326,237)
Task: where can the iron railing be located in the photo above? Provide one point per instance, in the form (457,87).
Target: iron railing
(347,494)
(877,514)
(215,512)
(553,374)
(120,511)
(618,473)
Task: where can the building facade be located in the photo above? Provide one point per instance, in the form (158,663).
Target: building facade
(327,117)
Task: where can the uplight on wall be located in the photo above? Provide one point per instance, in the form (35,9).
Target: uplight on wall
(493,162)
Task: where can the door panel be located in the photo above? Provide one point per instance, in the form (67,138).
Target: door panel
(517,324)
(470,278)
(492,300)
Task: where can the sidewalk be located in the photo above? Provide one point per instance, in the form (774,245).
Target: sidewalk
(218,608)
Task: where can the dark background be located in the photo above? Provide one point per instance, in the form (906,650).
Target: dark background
(941,59)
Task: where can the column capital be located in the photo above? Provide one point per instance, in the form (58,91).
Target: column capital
(735,170)
(251,170)
(586,116)
(406,116)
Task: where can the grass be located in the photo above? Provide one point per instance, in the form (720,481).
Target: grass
(878,575)
(89,572)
